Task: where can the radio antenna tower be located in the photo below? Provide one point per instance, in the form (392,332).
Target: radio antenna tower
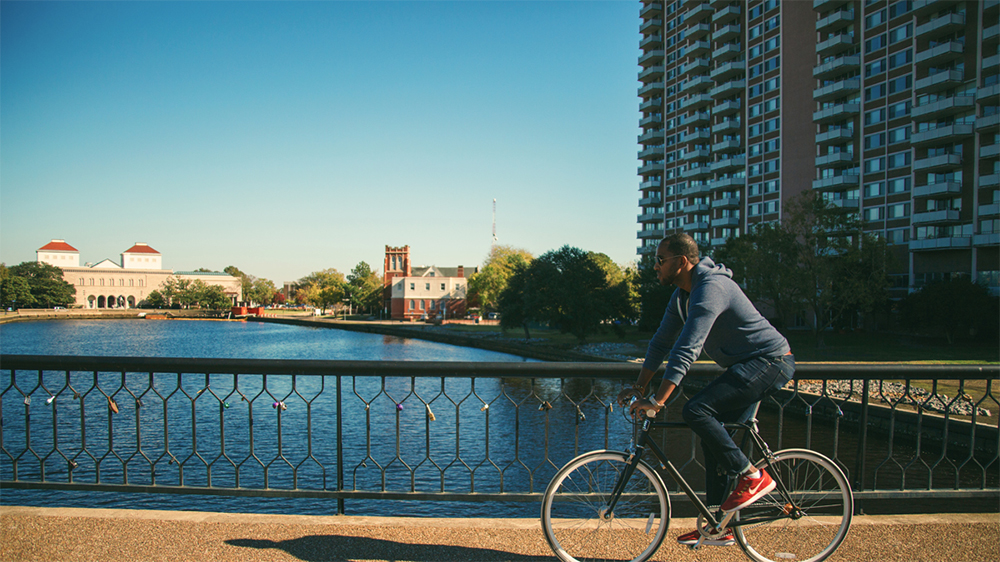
(494,222)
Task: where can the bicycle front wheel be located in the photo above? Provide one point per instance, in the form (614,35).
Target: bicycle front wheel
(575,510)
(810,523)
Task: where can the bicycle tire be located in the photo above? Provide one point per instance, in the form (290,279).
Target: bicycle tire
(577,496)
(819,488)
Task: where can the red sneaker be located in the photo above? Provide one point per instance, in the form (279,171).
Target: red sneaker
(747,491)
(691,539)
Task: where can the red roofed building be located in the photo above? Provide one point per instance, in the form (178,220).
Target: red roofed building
(423,293)
(141,256)
(58,253)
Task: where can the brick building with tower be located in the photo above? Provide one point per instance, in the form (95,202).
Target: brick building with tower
(423,292)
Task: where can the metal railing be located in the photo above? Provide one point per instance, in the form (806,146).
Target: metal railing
(453,431)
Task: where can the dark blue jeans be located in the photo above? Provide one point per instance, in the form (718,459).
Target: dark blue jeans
(731,399)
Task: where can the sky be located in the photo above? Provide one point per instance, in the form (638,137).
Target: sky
(289,137)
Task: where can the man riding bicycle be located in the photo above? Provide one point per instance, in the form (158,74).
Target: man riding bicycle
(708,311)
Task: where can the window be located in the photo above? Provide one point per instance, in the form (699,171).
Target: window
(772,23)
(772,64)
(771,44)
(874,141)
(755,170)
(756,51)
(755,31)
(754,189)
(756,109)
(875,116)
(874,189)
(899,159)
(873,68)
(901,109)
(772,145)
(899,211)
(772,124)
(900,58)
(756,70)
(874,213)
(899,135)
(80,281)
(427,286)
(755,149)
(770,207)
(875,43)
(754,130)
(756,90)
(412,286)
(898,236)
(772,104)
(771,84)
(442,286)
(754,209)
(899,185)
(900,33)
(875,92)
(412,305)
(897,9)
(874,165)
(874,19)
(900,84)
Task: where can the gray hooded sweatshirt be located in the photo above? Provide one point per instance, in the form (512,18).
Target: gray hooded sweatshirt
(717,317)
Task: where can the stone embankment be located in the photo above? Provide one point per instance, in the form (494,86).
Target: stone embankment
(896,394)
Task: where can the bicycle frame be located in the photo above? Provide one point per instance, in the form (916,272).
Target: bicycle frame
(643,441)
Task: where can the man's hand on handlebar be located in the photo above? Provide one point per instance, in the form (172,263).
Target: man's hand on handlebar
(628,395)
(645,406)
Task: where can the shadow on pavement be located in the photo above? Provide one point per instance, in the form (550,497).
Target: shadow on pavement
(316,548)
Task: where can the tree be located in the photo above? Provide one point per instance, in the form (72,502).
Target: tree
(653,296)
(15,292)
(566,288)
(155,299)
(364,288)
(485,286)
(212,296)
(953,308)
(261,291)
(322,288)
(45,284)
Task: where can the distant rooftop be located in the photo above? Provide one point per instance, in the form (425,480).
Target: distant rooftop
(140,248)
(57,245)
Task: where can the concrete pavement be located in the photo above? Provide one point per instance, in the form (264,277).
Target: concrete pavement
(82,535)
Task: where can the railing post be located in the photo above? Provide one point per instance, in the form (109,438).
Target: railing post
(859,461)
(340,446)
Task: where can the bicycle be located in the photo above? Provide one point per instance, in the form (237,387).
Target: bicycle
(613,505)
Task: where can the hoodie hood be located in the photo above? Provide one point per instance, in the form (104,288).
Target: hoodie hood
(707,267)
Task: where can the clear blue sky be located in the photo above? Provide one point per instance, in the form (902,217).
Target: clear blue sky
(284,138)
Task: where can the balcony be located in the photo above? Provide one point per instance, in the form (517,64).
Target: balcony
(835,136)
(653,104)
(697,154)
(834,45)
(837,113)
(827,5)
(651,120)
(989,151)
(990,210)
(650,184)
(844,204)
(727,108)
(650,234)
(941,81)
(697,84)
(988,123)
(698,135)
(936,56)
(651,89)
(835,21)
(944,108)
(697,66)
(699,189)
(727,52)
(731,88)
(836,160)
(728,70)
(923,7)
(986,239)
(651,57)
(726,15)
(650,217)
(696,102)
(653,152)
(650,10)
(935,217)
(946,134)
(935,190)
(940,26)
(727,33)
(940,163)
(987,95)
(725,222)
(649,26)
(726,203)
(836,183)
(646,201)
(698,119)
(991,62)
(651,168)
(691,226)
(729,164)
(698,48)
(727,126)
(836,67)
(725,184)
(651,42)
(650,74)
(989,181)
(729,146)
(698,31)
(652,135)
(698,12)
(949,243)
(698,172)
(991,32)
(836,90)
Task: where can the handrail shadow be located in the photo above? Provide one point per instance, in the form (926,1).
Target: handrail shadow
(337,548)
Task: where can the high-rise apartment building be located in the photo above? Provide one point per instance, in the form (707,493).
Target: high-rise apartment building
(886,108)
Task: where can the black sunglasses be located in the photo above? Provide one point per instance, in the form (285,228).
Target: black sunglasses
(661,259)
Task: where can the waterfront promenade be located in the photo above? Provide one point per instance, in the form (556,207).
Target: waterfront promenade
(83,535)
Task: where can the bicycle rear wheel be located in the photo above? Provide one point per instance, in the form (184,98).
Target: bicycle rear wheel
(819,491)
(575,504)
